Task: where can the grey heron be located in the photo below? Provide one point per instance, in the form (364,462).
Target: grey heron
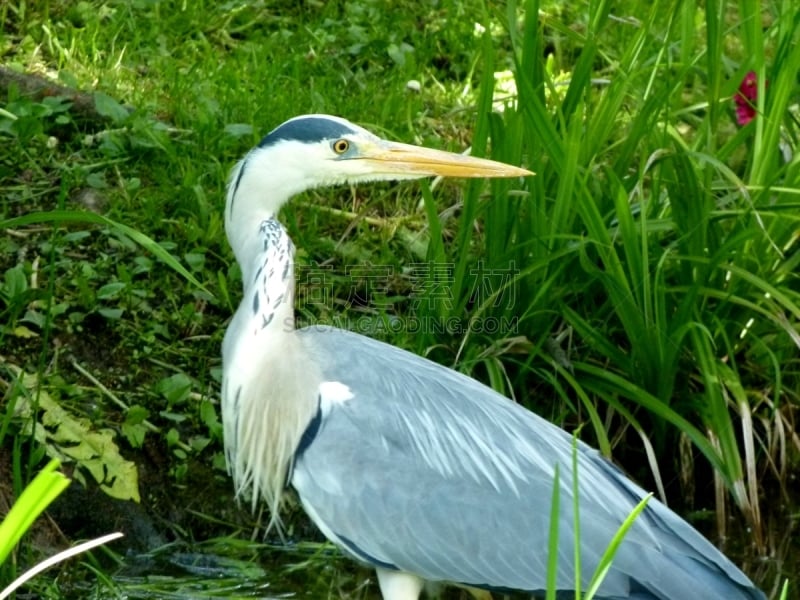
(411,467)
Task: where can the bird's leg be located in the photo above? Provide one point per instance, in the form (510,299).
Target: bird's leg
(398,585)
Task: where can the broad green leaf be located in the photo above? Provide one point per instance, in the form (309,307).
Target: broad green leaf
(110,108)
(70,438)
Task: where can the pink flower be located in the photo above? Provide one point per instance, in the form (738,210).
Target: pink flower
(745,99)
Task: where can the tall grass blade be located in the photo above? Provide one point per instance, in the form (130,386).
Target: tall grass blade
(35,498)
(552,538)
(611,550)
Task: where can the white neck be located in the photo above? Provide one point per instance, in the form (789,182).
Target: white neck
(256,191)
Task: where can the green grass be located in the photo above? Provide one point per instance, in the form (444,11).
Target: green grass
(643,283)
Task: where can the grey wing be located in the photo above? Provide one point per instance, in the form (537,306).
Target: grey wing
(413,466)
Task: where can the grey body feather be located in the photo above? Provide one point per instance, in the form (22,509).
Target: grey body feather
(428,471)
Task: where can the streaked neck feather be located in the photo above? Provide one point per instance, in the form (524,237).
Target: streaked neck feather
(270,385)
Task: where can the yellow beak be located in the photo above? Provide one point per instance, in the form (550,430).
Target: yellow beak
(394,158)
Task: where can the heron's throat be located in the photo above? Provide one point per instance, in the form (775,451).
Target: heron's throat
(270,289)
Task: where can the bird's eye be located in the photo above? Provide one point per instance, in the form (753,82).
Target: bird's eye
(341,146)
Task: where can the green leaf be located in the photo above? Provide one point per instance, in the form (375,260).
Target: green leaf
(175,388)
(110,290)
(172,437)
(195,260)
(93,450)
(113,314)
(134,428)
(97,180)
(67,437)
(135,434)
(110,108)
(209,416)
(15,283)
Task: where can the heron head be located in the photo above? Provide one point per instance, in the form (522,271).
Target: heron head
(320,150)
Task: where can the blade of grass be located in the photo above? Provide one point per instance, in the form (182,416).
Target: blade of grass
(611,550)
(552,538)
(39,493)
(576,517)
